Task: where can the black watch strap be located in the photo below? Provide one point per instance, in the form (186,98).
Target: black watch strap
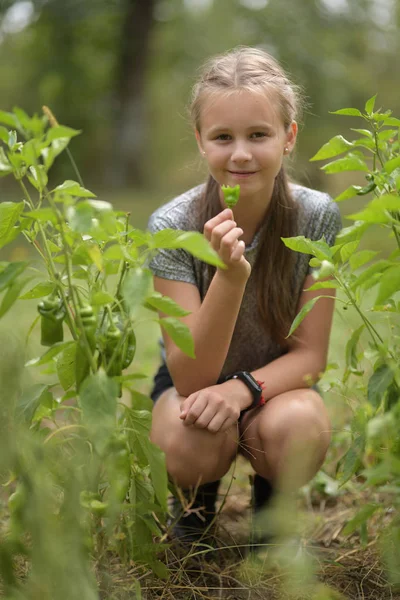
(253,385)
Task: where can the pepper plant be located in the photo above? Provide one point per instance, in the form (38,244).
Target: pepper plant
(369,285)
(92,286)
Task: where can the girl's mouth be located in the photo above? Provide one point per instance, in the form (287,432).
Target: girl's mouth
(241,174)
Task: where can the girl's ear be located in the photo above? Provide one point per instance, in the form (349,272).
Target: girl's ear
(198,140)
(291,135)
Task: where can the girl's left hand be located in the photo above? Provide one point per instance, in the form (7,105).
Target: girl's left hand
(214,408)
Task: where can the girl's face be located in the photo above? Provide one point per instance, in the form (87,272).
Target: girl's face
(244,140)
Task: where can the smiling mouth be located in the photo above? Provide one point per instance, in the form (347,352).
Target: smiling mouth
(242,172)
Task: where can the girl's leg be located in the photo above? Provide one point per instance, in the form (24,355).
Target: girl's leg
(286,440)
(193,455)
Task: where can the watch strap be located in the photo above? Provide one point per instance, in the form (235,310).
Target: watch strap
(256,387)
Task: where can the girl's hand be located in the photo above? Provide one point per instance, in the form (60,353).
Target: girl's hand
(217,407)
(223,234)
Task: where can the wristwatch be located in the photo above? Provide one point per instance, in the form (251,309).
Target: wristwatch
(256,388)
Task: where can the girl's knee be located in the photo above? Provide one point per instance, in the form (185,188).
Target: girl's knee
(303,417)
(196,456)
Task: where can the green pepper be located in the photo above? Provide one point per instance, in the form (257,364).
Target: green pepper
(52,312)
(82,362)
(129,349)
(113,338)
(120,467)
(367,189)
(231,195)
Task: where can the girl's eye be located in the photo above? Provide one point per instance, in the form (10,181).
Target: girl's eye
(258,134)
(223,137)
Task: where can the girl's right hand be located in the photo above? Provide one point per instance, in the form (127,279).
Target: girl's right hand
(223,234)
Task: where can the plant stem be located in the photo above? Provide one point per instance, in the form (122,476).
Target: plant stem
(371,329)
(73,163)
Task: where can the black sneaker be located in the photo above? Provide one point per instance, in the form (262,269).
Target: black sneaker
(262,494)
(195,525)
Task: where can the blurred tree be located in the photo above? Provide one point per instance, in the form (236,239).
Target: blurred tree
(129,104)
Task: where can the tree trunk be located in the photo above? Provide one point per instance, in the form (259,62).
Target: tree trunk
(125,164)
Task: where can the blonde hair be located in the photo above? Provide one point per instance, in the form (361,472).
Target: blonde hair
(254,70)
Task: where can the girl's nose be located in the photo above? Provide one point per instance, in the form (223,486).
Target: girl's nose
(241,153)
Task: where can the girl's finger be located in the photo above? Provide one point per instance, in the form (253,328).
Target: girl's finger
(206,416)
(220,232)
(217,423)
(238,251)
(227,424)
(195,410)
(228,242)
(224,215)
(187,404)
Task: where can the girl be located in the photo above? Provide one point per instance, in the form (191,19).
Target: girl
(248,384)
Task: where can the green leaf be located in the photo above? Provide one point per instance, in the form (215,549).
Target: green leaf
(72,188)
(98,399)
(8,119)
(361,517)
(38,177)
(391,122)
(66,366)
(166,305)
(101,298)
(335,146)
(376,210)
(351,348)
(350,192)
(9,215)
(389,285)
(10,273)
(5,166)
(322,285)
(369,105)
(351,162)
(135,289)
(42,214)
(392,164)
(360,258)
(61,131)
(50,354)
(195,243)
(80,217)
(3,134)
(30,400)
(38,291)
(369,272)
(348,249)
(11,295)
(299,243)
(158,472)
(352,460)
(365,132)
(303,313)
(353,232)
(179,333)
(378,384)
(351,112)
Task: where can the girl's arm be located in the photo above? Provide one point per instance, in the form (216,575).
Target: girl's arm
(308,348)
(212,321)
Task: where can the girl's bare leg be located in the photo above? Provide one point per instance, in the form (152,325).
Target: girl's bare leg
(286,440)
(193,455)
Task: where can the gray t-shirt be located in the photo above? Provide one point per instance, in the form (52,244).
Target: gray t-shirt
(250,347)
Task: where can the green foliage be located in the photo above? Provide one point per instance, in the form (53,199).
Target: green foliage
(93,282)
(371,287)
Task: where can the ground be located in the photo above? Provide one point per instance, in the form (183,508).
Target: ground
(318,555)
